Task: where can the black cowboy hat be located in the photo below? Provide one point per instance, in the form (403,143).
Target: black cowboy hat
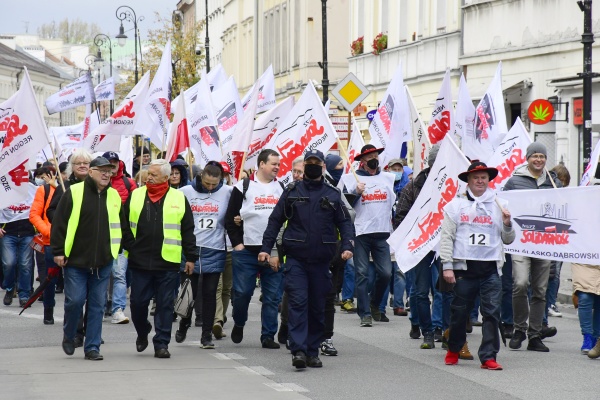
(367,149)
(478,166)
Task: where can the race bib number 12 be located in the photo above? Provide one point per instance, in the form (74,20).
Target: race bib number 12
(207,223)
(479,239)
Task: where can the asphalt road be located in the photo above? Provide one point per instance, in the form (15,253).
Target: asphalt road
(378,362)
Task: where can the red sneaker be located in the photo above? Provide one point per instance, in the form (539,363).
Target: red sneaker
(491,364)
(451,358)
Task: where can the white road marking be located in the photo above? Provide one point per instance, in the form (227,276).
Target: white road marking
(220,356)
(294,387)
(262,370)
(247,370)
(234,356)
(57,320)
(278,387)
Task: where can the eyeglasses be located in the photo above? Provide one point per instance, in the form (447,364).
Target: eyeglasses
(538,157)
(81,163)
(103,172)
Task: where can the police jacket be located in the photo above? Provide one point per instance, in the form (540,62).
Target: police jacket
(313,210)
(91,245)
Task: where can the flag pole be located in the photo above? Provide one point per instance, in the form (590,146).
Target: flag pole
(60,178)
(345,156)
(550,176)
(141,161)
(242,165)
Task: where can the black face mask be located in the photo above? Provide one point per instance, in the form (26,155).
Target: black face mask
(313,171)
(373,163)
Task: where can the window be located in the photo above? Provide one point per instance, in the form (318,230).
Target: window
(297,30)
(441,16)
(284,38)
(265,47)
(385,15)
(361,18)
(403,21)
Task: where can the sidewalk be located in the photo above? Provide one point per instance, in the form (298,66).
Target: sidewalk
(47,373)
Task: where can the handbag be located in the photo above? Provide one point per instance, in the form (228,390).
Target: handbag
(37,244)
(184,304)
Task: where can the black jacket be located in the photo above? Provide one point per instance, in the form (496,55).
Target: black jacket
(145,251)
(58,192)
(91,246)
(408,196)
(313,210)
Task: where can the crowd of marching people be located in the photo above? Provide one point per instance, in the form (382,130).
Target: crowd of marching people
(121,243)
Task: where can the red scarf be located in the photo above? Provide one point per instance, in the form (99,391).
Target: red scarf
(156,191)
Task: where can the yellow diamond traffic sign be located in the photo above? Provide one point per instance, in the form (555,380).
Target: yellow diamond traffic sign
(350,92)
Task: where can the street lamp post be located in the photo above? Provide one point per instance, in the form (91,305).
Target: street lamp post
(325,82)
(206,40)
(100,40)
(96,61)
(126,13)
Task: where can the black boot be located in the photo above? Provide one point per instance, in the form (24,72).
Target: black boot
(49,316)
(181,333)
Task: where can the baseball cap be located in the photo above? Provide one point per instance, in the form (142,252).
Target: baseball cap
(100,162)
(111,155)
(314,154)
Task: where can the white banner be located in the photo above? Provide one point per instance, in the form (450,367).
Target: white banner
(266,92)
(17,195)
(205,142)
(421,145)
(307,127)
(509,155)
(401,128)
(489,122)
(226,102)
(26,131)
(590,170)
(75,94)
(382,121)
(419,233)
(216,77)
(555,224)
(465,111)
(265,127)
(442,118)
(105,90)
(354,147)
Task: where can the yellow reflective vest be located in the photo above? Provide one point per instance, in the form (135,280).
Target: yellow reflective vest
(113,206)
(173,212)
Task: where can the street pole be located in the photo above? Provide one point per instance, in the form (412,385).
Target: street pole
(325,82)
(100,40)
(207,40)
(587,38)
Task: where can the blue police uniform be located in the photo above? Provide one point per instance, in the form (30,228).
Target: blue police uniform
(313,210)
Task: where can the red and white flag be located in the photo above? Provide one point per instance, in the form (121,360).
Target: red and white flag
(421,144)
(266,92)
(75,94)
(243,135)
(179,139)
(354,147)
(382,121)
(401,130)
(131,110)
(154,121)
(306,128)
(105,90)
(26,131)
(205,142)
(226,102)
(419,233)
(465,111)
(442,119)
(590,170)
(17,195)
(489,122)
(510,154)
(265,127)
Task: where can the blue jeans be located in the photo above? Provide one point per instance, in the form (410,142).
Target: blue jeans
(119,272)
(375,245)
(161,285)
(437,307)
(490,291)
(245,268)
(589,313)
(419,300)
(507,288)
(397,285)
(81,285)
(412,292)
(552,289)
(50,290)
(475,311)
(349,278)
(16,254)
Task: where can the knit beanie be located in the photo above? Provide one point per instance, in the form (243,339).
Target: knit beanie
(433,152)
(331,161)
(536,147)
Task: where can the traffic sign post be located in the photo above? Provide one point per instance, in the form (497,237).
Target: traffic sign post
(350,92)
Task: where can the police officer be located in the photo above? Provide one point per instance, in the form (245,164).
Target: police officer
(312,209)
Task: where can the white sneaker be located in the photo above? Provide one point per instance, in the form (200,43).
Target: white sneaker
(553,311)
(119,317)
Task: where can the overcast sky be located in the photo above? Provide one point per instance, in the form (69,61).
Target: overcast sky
(16,14)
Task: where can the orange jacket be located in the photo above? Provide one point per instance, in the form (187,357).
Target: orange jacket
(37,215)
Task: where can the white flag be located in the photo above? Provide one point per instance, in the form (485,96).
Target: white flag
(555,224)
(154,118)
(307,127)
(419,233)
(590,170)
(204,137)
(242,136)
(265,127)
(105,90)
(226,102)
(382,121)
(421,144)
(75,94)
(128,114)
(266,92)
(26,131)
(216,77)
(17,195)
(489,122)
(465,111)
(126,152)
(354,147)
(179,138)
(509,155)
(442,119)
